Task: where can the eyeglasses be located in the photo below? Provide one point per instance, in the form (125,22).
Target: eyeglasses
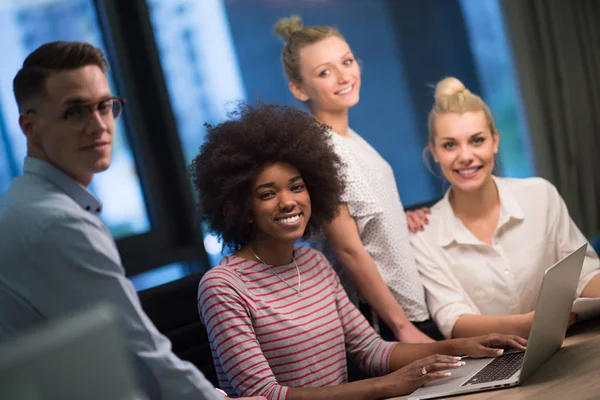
(111,107)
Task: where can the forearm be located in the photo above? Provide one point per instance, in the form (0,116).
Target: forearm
(366,389)
(470,325)
(403,353)
(592,289)
(373,289)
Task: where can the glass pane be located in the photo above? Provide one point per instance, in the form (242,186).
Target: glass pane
(25,25)
(168,273)
(159,276)
(500,90)
(8,164)
(201,71)
(214,248)
(199,62)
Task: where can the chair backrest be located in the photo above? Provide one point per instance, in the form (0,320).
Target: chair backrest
(173,309)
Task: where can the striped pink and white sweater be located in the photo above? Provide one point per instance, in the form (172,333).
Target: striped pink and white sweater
(265,338)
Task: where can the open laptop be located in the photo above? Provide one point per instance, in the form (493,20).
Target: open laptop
(81,356)
(547,333)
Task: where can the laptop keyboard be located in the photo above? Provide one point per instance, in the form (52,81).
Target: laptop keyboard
(500,368)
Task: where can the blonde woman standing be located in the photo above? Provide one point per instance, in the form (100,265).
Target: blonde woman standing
(370,235)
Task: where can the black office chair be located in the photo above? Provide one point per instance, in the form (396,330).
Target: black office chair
(172,308)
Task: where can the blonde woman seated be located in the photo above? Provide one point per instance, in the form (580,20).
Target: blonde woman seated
(278,321)
(490,239)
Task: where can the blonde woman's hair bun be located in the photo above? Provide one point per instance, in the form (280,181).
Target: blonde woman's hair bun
(448,87)
(285,27)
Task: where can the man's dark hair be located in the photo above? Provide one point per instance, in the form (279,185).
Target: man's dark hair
(49,58)
(237,150)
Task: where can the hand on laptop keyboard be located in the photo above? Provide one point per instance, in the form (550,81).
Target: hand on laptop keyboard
(492,345)
(414,375)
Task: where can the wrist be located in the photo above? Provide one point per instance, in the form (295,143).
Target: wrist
(458,347)
(397,330)
(524,322)
(382,387)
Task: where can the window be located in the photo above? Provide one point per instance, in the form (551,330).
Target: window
(201,71)
(199,63)
(159,276)
(23,27)
(8,164)
(493,62)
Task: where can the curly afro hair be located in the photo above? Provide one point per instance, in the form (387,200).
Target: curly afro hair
(235,152)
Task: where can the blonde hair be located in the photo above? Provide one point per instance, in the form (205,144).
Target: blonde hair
(296,36)
(451,96)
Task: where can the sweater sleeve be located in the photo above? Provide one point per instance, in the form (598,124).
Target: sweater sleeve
(227,311)
(363,344)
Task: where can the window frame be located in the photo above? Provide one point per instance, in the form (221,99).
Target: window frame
(175,233)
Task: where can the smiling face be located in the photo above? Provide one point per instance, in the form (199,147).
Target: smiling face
(330,76)
(280,204)
(80,148)
(464,147)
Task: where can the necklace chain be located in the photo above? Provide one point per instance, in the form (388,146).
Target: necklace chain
(277,275)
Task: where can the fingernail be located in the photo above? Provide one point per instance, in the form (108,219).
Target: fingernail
(500,352)
(457,358)
(447,373)
(460,363)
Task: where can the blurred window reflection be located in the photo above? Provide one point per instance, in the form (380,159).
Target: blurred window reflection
(500,89)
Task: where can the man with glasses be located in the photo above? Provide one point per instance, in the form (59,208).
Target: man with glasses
(56,256)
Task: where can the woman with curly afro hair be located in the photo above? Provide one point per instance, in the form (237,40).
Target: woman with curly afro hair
(279,323)
(236,151)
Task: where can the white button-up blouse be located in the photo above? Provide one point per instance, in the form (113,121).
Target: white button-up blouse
(463,275)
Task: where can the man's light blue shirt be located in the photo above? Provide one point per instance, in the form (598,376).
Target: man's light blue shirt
(57,256)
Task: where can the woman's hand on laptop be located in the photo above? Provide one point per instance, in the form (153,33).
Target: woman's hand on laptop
(414,375)
(492,345)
